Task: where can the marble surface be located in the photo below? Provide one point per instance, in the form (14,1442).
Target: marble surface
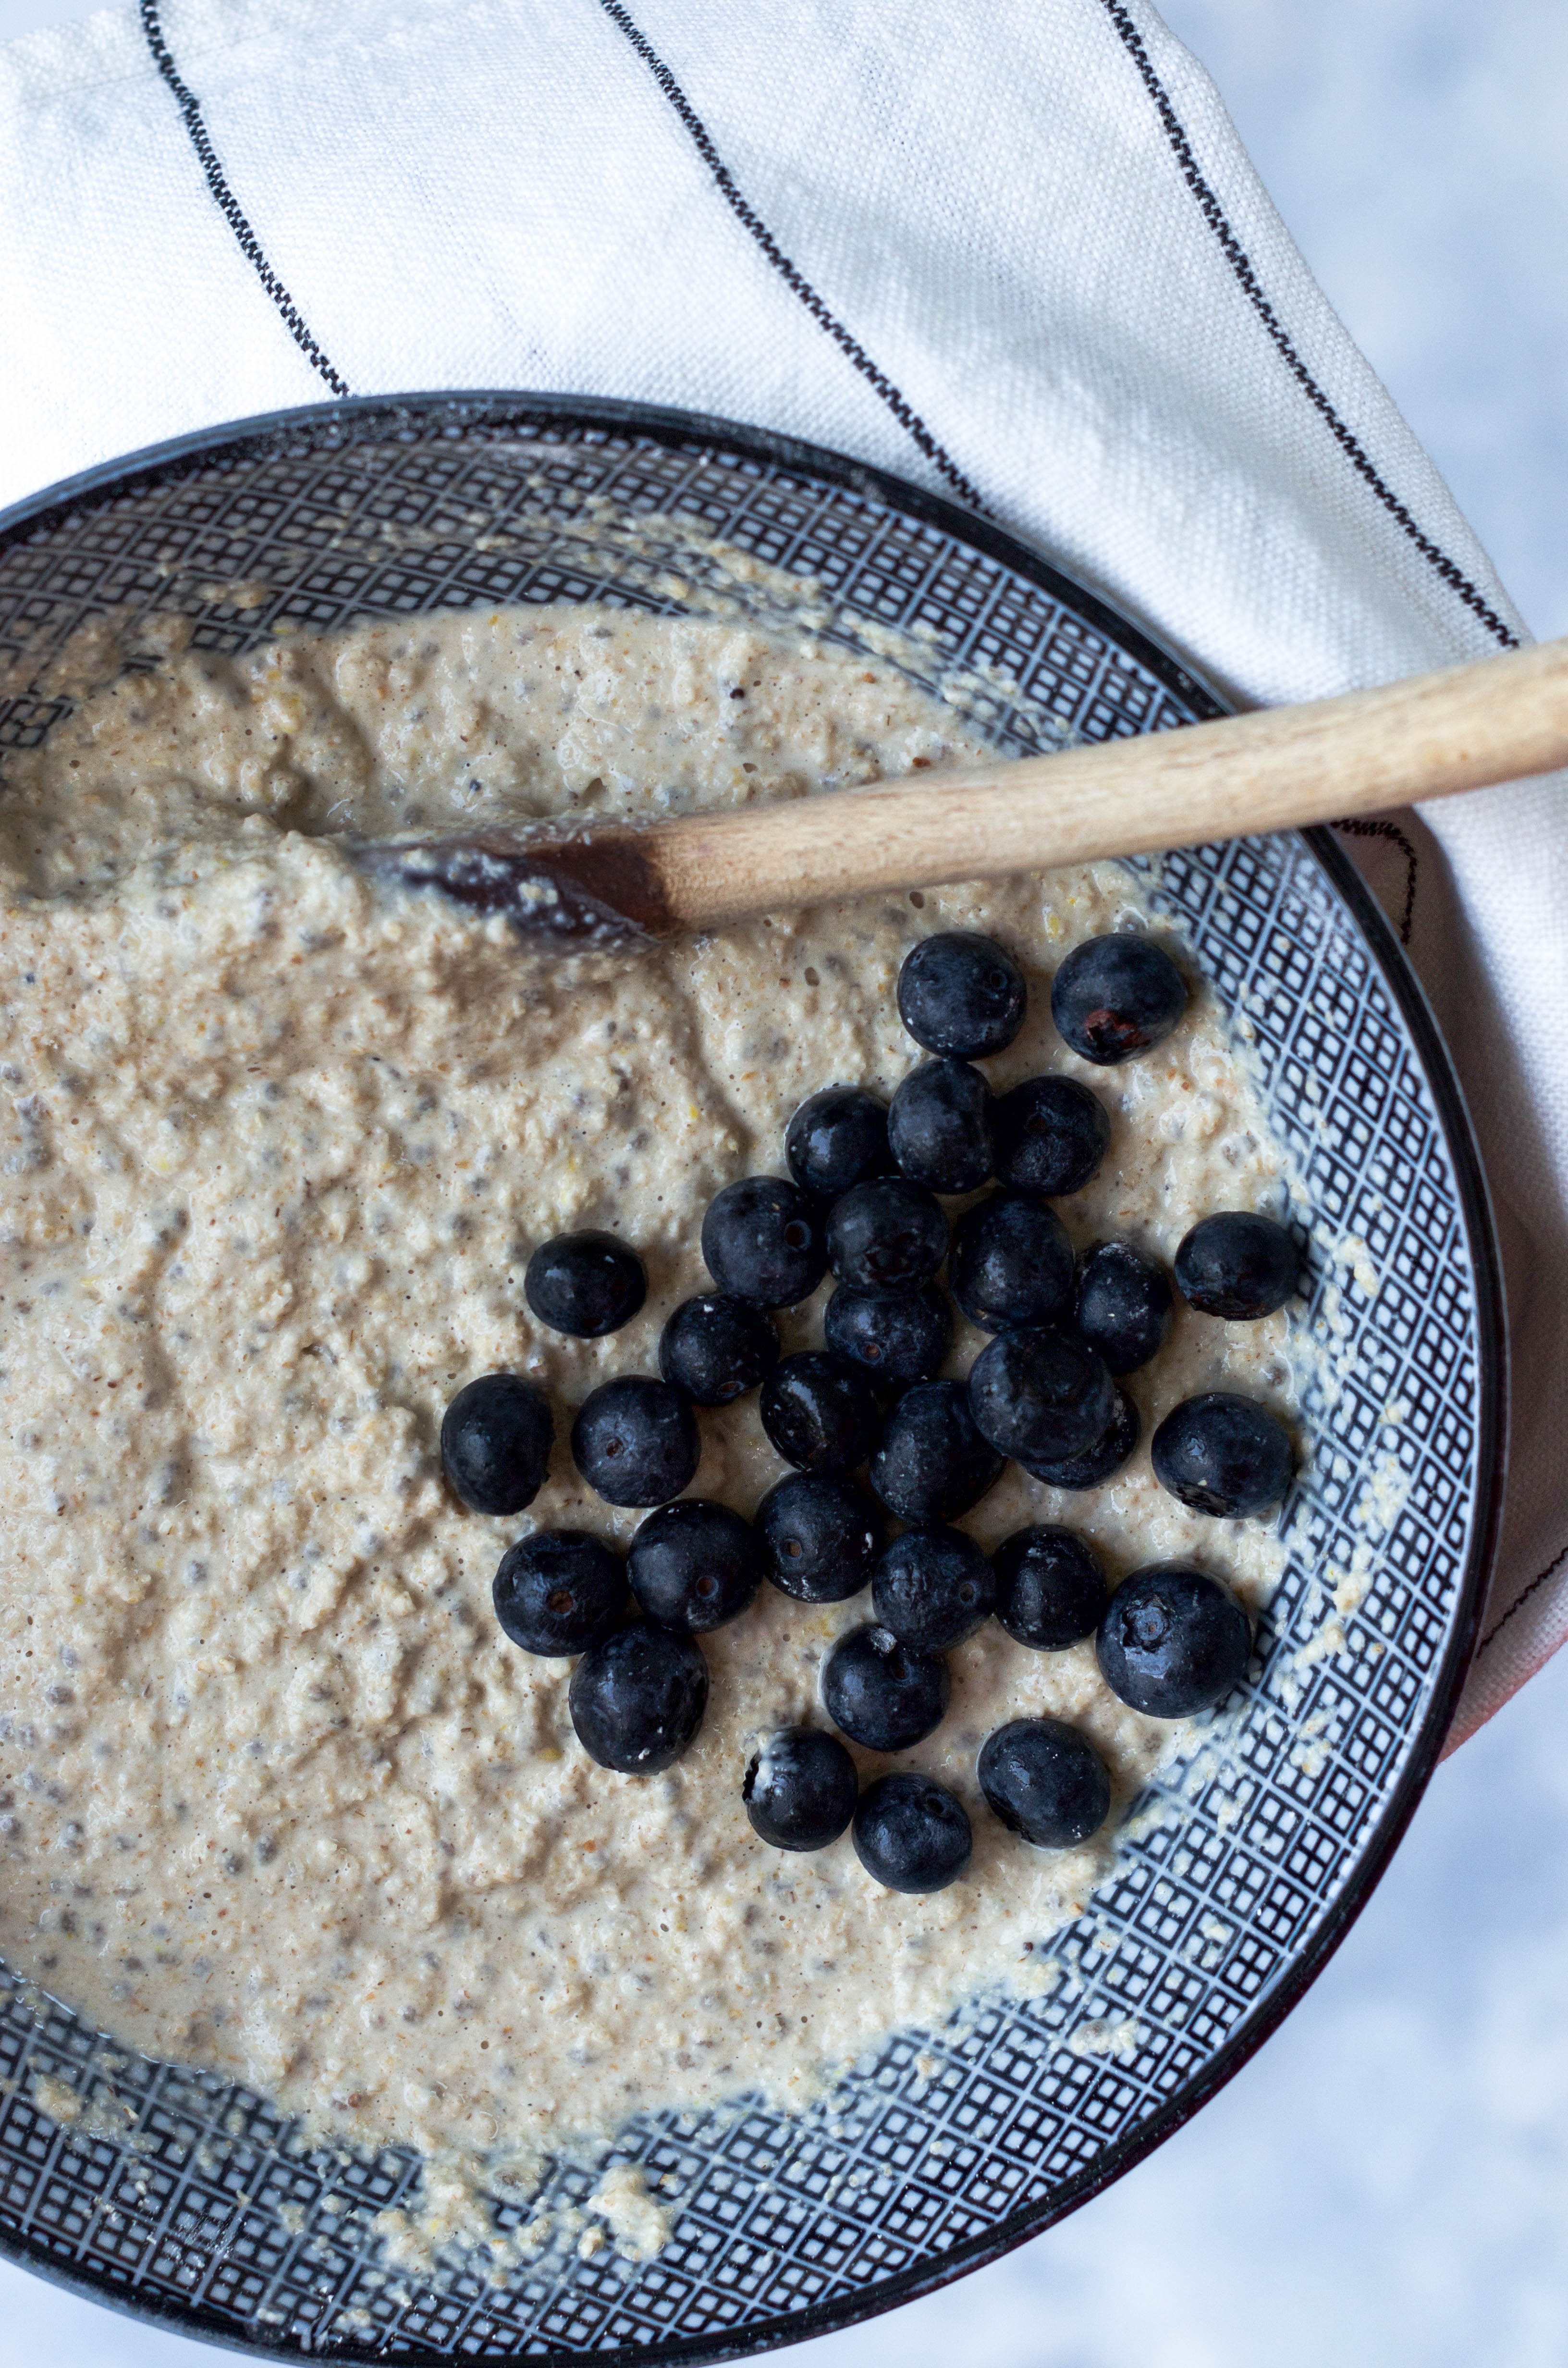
(1388,2180)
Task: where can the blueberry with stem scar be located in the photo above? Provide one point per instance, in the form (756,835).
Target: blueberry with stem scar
(889,1235)
(635,1440)
(820,1535)
(1117,997)
(559,1592)
(895,1336)
(694,1565)
(933,1588)
(912,1834)
(762,1241)
(1040,1396)
(962,993)
(1172,1641)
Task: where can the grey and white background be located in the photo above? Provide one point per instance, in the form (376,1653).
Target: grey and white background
(1388,2182)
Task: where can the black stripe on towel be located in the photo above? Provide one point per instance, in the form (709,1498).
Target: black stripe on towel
(794,278)
(1241,263)
(228,204)
(1356,827)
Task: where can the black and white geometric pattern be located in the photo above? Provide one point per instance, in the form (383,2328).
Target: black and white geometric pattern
(175,2195)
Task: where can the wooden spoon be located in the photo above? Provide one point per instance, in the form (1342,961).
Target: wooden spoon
(608,882)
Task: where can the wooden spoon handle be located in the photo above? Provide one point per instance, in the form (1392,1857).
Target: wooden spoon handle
(1426,737)
(607,881)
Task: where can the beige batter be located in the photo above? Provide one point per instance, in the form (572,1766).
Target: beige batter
(277,1796)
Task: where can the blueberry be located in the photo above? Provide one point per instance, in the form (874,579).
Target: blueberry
(800,1788)
(1237,1265)
(960,992)
(820,1536)
(635,1441)
(883,1694)
(1098,1464)
(836,1140)
(895,1335)
(1124,1305)
(694,1565)
(912,1834)
(1051,1587)
(818,1411)
(559,1591)
(889,1235)
(715,1347)
(1040,1396)
(495,1441)
(1172,1641)
(637,1699)
(1046,1782)
(1117,997)
(940,1126)
(933,1588)
(1223,1455)
(931,1464)
(1012,1263)
(762,1241)
(1050,1135)
(585,1284)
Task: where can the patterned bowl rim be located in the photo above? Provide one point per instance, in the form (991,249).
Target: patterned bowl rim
(573,415)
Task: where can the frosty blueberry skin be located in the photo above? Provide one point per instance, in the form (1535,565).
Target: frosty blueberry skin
(1223,1455)
(820,1534)
(940,1127)
(883,1694)
(635,1440)
(716,1348)
(933,1588)
(560,1591)
(912,1834)
(932,1462)
(637,1699)
(838,1138)
(762,1241)
(1045,1781)
(800,1788)
(1238,1266)
(496,1441)
(1051,1587)
(584,1284)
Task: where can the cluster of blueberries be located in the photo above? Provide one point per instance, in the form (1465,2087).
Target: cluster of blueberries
(861,1199)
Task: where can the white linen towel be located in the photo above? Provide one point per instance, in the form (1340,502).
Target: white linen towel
(1016,253)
